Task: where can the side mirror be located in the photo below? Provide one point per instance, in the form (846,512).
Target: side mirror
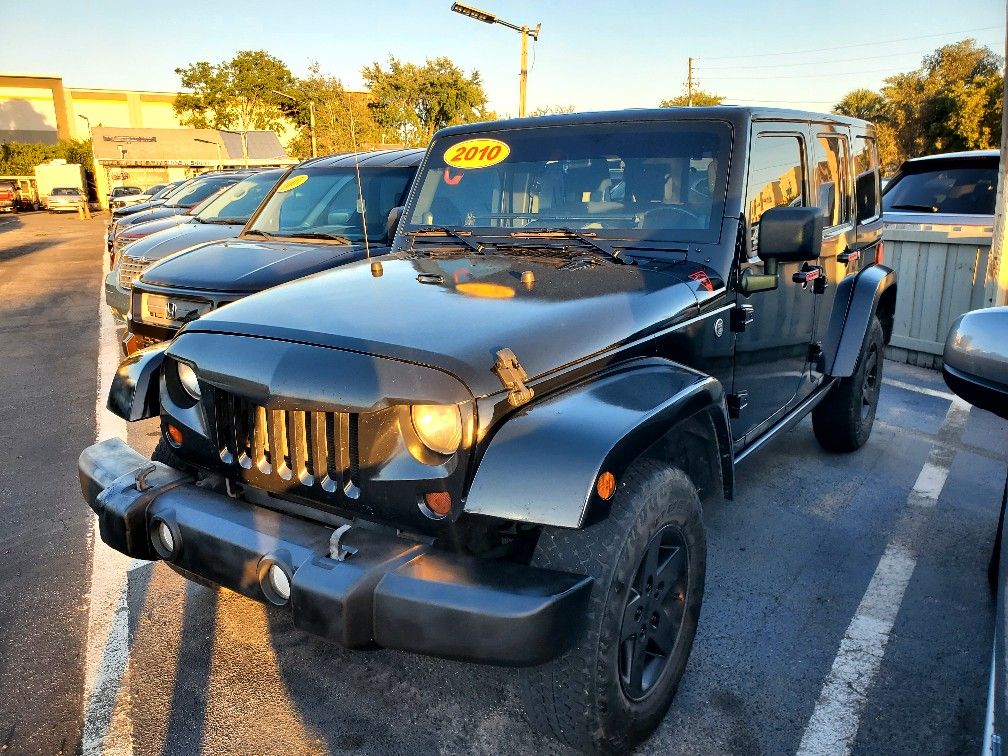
(975,362)
(790,234)
(392,223)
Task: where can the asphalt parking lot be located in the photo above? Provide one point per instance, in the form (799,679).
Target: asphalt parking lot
(846,607)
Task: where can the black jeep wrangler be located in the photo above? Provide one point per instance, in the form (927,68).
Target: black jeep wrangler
(492,444)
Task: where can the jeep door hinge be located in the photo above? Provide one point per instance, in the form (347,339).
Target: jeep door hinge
(736,403)
(741,316)
(513,376)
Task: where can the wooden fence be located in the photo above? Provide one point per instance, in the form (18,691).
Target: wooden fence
(941,273)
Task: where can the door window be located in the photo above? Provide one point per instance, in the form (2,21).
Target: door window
(776,177)
(832,193)
(867,188)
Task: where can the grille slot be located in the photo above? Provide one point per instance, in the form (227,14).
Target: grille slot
(130,269)
(287,446)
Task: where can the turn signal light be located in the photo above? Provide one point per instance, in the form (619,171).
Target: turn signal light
(606,485)
(174,435)
(438,502)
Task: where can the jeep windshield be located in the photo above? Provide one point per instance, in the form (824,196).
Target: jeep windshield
(322,204)
(643,180)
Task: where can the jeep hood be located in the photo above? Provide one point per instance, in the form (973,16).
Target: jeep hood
(244,266)
(455,314)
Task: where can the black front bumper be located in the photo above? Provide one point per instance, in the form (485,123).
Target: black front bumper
(393,592)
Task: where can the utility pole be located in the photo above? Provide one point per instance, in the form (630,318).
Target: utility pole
(526,32)
(997,271)
(311,125)
(689,83)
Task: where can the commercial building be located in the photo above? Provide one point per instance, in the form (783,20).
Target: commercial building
(143,157)
(137,137)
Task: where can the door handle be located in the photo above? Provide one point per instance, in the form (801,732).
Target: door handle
(808,274)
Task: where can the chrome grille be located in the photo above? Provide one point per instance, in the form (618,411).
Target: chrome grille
(130,269)
(285,447)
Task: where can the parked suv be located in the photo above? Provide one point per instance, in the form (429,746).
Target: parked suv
(957,188)
(222,217)
(310,222)
(492,444)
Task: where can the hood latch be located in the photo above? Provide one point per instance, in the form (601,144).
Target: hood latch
(513,376)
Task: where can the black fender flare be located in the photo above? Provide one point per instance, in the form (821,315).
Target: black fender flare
(857,300)
(542,465)
(135,393)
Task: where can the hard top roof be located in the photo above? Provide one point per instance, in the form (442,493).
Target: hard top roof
(736,114)
(372,159)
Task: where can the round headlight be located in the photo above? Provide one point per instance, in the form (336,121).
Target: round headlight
(187,377)
(438,426)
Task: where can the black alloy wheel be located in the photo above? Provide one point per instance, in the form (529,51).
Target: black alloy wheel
(656,603)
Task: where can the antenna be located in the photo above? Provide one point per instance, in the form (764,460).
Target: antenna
(360,190)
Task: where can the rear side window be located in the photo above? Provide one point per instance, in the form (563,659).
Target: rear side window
(958,190)
(867,186)
(776,177)
(830,170)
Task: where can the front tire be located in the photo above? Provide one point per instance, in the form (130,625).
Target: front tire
(843,421)
(648,561)
(165,454)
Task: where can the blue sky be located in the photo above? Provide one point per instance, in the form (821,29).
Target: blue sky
(592,55)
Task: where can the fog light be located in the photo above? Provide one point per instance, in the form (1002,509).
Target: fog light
(438,503)
(279,582)
(165,535)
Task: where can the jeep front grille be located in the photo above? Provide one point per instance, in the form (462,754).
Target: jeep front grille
(130,269)
(286,447)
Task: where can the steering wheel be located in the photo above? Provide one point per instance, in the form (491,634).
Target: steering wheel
(649,219)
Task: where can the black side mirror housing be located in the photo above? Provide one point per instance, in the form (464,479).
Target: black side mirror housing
(790,234)
(975,361)
(392,222)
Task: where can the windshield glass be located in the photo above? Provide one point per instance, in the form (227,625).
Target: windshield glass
(197,192)
(65,192)
(965,191)
(168,191)
(237,203)
(324,201)
(658,180)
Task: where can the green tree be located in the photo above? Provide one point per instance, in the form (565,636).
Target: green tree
(415,101)
(239,93)
(20,158)
(700,99)
(553,110)
(872,106)
(335,107)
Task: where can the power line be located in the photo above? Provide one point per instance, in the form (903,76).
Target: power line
(718,77)
(859,44)
(830,63)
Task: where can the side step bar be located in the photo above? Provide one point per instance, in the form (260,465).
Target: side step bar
(788,421)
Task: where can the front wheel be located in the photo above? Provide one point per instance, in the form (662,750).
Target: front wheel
(843,421)
(648,561)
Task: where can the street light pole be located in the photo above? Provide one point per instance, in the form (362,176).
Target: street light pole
(94,162)
(486,17)
(311,119)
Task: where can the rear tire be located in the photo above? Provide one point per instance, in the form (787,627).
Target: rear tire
(648,561)
(843,420)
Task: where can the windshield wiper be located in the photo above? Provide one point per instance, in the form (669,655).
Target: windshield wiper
(223,221)
(257,232)
(562,232)
(319,235)
(923,208)
(447,231)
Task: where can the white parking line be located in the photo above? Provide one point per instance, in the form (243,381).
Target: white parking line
(107,654)
(919,389)
(834,722)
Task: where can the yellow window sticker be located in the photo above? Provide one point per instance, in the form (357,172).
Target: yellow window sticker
(476,153)
(292,183)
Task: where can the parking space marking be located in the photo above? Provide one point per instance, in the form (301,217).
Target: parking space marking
(106,725)
(834,722)
(919,389)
